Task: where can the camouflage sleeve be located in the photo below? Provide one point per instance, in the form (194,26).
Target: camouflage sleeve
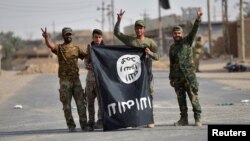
(191,35)
(170,65)
(155,51)
(124,38)
(81,53)
(87,58)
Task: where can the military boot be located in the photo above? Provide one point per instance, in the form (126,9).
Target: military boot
(72,129)
(198,122)
(182,122)
(91,126)
(99,124)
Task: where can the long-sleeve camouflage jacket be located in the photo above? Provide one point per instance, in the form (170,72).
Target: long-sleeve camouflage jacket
(181,59)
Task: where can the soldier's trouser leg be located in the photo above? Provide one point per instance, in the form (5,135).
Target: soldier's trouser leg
(193,96)
(182,102)
(65,97)
(197,61)
(91,101)
(151,96)
(99,123)
(100,108)
(80,100)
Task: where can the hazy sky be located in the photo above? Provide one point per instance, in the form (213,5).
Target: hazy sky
(26,17)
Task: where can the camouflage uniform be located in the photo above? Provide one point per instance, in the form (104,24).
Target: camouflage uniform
(182,74)
(197,51)
(92,93)
(70,85)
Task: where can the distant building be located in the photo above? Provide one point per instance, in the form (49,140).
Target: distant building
(21,56)
(247,38)
(236,32)
(34,52)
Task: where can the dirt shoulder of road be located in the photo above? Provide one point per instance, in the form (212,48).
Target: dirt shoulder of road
(11,82)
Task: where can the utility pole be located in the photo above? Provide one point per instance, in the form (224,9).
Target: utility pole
(209,26)
(0,59)
(225,27)
(54,31)
(145,16)
(242,31)
(110,15)
(109,20)
(160,41)
(113,19)
(54,28)
(103,18)
(214,9)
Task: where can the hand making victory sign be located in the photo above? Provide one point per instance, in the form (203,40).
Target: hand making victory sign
(119,15)
(45,34)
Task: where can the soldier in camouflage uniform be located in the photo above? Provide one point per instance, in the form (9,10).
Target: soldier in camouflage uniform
(182,73)
(91,88)
(139,41)
(197,52)
(70,85)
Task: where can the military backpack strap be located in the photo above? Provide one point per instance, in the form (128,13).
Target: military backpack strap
(60,50)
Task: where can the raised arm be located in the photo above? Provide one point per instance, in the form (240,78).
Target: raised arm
(190,37)
(117,32)
(48,42)
(122,37)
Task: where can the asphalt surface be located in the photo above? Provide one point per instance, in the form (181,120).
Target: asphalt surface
(41,117)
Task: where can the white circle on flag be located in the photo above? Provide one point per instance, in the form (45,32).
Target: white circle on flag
(129,68)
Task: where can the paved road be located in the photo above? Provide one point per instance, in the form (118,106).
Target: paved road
(41,117)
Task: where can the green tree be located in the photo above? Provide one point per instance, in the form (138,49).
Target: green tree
(10,44)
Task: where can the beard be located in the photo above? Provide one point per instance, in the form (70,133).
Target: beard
(178,38)
(68,40)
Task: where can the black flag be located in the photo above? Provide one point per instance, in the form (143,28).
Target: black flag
(164,4)
(123,83)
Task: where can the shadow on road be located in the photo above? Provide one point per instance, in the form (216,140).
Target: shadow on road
(32,132)
(56,131)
